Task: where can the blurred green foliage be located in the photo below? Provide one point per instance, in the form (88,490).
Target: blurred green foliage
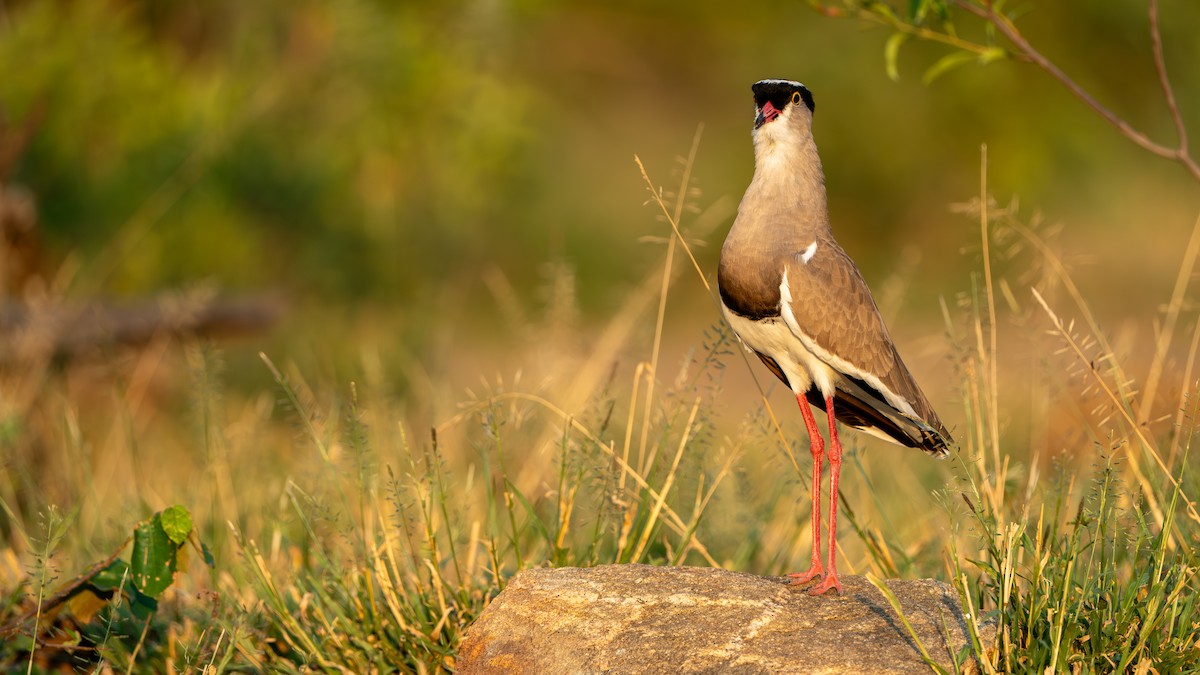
(344,148)
(388,162)
(352,150)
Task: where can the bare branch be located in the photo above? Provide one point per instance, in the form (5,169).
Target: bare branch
(1010,31)
(1160,65)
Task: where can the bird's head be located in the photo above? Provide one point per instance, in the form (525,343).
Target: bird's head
(782,109)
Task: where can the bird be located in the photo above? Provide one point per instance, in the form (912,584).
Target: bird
(794,297)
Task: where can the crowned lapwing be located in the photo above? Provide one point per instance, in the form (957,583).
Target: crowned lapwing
(796,299)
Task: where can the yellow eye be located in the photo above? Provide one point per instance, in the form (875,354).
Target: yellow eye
(795,97)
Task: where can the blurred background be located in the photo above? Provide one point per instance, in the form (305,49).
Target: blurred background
(427,216)
(430,195)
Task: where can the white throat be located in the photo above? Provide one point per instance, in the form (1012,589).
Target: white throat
(787,169)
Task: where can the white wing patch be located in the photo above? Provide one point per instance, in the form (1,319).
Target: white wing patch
(808,253)
(818,369)
(771,337)
(826,367)
(802,361)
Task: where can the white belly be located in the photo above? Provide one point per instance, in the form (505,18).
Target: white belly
(773,338)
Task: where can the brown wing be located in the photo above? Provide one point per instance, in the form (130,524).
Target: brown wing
(833,309)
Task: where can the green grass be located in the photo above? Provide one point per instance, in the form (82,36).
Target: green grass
(347,537)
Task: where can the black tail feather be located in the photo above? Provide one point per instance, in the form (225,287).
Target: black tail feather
(855,405)
(858,405)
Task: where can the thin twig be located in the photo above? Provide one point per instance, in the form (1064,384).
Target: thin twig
(1160,65)
(1010,31)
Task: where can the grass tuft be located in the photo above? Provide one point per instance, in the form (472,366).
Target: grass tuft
(351,534)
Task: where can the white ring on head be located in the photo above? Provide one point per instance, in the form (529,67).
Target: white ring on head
(776,81)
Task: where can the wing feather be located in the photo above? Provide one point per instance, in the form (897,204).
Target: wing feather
(836,316)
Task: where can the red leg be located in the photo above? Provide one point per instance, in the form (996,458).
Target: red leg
(835,471)
(817,448)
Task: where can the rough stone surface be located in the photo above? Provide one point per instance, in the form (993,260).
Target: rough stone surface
(645,619)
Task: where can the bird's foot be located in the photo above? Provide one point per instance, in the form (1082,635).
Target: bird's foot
(814,573)
(827,584)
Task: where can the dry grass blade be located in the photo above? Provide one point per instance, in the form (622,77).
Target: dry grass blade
(661,499)
(673,217)
(912,633)
(673,220)
(1095,330)
(673,520)
(987,356)
(656,349)
(1163,343)
(1182,406)
(1136,429)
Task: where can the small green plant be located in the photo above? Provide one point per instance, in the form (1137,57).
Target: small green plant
(1084,574)
(78,616)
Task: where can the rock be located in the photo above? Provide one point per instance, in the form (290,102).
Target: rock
(646,619)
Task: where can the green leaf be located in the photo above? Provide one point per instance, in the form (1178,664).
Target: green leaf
(73,639)
(153,559)
(110,578)
(177,523)
(140,604)
(22,643)
(885,11)
(891,53)
(917,9)
(984,566)
(993,54)
(10,429)
(946,64)
(209,559)
(529,510)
